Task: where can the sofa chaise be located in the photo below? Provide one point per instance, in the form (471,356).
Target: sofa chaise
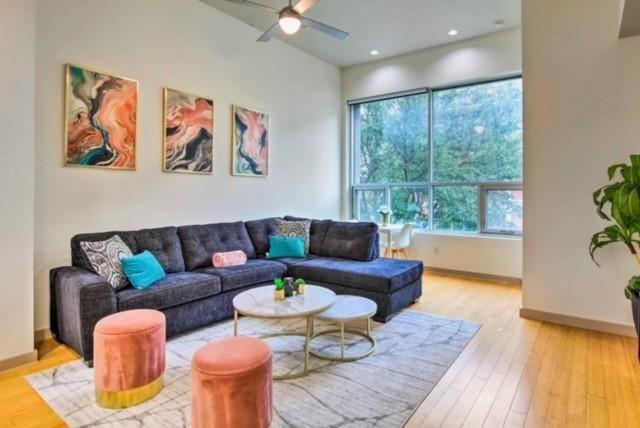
(343,256)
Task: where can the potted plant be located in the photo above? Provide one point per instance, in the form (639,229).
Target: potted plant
(300,283)
(279,291)
(385,212)
(619,203)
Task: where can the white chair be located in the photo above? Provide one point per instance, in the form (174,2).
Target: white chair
(402,241)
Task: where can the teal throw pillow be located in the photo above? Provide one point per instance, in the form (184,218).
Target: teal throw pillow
(286,246)
(143,269)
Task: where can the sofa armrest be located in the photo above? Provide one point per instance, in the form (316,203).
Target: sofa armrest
(79,299)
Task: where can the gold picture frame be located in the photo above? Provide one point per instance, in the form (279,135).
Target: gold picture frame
(265,121)
(87,128)
(165,138)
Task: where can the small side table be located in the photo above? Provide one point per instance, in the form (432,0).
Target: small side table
(347,309)
(389,230)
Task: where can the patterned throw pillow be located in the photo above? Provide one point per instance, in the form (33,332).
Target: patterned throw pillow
(295,229)
(105,259)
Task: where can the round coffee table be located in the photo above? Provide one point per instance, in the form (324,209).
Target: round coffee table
(347,309)
(260,303)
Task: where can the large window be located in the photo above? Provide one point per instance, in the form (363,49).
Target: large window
(444,159)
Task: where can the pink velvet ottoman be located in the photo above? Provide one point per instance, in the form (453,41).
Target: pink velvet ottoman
(129,357)
(231,384)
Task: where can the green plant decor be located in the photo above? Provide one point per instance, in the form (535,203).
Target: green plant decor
(279,282)
(300,281)
(619,203)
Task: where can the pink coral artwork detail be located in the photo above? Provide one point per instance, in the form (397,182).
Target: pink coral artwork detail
(250,142)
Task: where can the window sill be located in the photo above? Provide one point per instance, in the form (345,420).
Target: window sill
(471,235)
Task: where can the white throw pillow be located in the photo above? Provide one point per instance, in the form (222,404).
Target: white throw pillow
(105,259)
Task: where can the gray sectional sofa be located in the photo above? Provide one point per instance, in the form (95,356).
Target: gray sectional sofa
(343,256)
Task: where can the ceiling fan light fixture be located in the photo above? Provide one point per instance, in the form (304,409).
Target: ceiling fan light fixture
(289,22)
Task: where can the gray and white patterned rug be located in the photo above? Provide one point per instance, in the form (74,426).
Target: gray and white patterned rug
(414,350)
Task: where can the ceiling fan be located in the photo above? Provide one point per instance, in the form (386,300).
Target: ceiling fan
(290,19)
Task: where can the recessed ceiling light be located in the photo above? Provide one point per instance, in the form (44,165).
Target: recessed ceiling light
(453,32)
(499,23)
(374,52)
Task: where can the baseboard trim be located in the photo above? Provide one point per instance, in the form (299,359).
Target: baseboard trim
(19,360)
(584,323)
(40,336)
(473,275)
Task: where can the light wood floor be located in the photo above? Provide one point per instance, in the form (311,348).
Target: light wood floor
(515,372)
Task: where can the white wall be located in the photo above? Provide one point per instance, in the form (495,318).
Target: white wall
(582,114)
(478,253)
(17,62)
(483,57)
(186,45)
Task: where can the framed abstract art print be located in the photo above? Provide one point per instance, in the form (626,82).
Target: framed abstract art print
(250,139)
(100,128)
(187,133)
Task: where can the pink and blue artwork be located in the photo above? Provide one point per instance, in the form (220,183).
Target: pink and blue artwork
(188,133)
(250,142)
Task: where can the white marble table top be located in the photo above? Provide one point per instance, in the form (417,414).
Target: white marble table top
(349,308)
(260,302)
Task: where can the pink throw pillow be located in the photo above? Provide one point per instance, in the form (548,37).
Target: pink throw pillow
(229,258)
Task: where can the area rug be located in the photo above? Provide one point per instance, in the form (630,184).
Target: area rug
(414,350)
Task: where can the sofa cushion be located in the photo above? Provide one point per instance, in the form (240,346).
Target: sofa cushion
(165,246)
(348,240)
(288,261)
(173,290)
(380,275)
(143,269)
(199,242)
(259,231)
(106,259)
(80,259)
(255,271)
(317,233)
(287,246)
(294,229)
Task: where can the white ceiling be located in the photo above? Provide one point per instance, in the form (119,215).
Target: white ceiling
(392,27)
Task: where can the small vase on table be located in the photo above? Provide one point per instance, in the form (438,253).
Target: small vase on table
(385,213)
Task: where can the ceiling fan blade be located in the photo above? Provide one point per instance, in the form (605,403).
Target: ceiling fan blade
(254,4)
(327,29)
(304,5)
(267,35)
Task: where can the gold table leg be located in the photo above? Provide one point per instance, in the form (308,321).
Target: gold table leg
(342,330)
(308,335)
(342,340)
(307,344)
(235,323)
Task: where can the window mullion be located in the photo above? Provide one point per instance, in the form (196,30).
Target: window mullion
(431,156)
(387,196)
(482,200)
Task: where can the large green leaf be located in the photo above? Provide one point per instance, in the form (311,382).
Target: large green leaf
(633,287)
(619,203)
(627,174)
(634,203)
(603,238)
(635,167)
(611,171)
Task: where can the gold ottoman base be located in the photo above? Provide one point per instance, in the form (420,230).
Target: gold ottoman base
(131,397)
